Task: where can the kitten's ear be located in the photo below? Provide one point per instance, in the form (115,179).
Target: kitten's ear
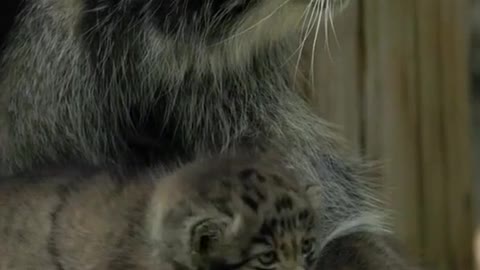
(207,235)
(211,238)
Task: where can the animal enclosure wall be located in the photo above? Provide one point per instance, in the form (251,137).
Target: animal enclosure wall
(396,82)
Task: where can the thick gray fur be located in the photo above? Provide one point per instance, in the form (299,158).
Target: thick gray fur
(80,78)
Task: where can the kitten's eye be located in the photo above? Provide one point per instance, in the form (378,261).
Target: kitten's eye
(268,258)
(308,246)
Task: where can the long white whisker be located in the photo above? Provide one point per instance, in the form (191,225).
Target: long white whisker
(309,29)
(319,22)
(334,32)
(328,19)
(304,35)
(305,15)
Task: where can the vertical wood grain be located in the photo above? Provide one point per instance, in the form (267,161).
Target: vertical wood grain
(398,86)
(391,114)
(433,163)
(457,130)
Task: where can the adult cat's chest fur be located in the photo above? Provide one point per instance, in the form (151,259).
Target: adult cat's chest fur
(136,82)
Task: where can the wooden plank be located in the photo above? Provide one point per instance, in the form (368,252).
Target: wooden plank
(391,116)
(446,171)
(457,130)
(433,169)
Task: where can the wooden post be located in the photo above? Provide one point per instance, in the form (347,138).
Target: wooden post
(399,84)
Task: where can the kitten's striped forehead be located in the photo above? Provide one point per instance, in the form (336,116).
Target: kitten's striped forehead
(285,218)
(257,187)
(260,205)
(275,198)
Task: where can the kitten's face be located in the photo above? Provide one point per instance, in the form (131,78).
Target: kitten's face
(223,19)
(283,239)
(224,216)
